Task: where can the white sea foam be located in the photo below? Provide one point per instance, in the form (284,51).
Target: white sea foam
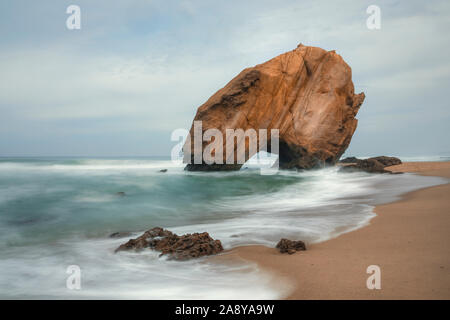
(91,165)
(324,205)
(417,158)
(58,213)
(41,273)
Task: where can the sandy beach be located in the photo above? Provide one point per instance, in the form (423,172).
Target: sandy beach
(408,239)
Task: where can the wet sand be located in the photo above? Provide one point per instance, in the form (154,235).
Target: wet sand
(409,240)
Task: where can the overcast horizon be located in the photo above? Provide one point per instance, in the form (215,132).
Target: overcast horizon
(138,70)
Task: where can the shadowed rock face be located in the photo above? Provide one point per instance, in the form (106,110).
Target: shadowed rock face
(306,93)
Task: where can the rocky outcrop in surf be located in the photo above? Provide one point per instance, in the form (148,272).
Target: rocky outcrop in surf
(371,165)
(387,161)
(384,160)
(307,94)
(183,247)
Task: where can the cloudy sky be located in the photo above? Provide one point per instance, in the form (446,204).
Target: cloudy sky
(137,70)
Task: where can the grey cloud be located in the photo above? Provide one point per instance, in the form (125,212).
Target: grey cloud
(137,69)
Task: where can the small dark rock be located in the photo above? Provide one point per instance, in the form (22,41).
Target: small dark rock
(183,247)
(163,170)
(120,234)
(290,246)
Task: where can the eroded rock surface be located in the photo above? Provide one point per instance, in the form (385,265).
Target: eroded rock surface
(183,247)
(306,93)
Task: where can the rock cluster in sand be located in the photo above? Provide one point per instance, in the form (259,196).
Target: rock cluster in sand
(290,246)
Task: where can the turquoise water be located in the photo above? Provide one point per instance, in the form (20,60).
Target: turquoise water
(59,212)
(53,199)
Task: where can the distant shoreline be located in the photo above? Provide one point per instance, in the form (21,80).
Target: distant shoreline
(408,240)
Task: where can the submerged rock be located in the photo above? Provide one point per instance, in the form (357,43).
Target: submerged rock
(307,94)
(290,246)
(120,234)
(371,165)
(183,247)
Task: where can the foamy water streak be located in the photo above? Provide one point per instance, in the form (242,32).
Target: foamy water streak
(58,212)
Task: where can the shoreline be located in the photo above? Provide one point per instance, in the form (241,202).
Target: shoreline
(408,239)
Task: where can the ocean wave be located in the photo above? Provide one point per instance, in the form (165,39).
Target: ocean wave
(88,165)
(55,213)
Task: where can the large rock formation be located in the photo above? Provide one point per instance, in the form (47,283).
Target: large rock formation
(306,93)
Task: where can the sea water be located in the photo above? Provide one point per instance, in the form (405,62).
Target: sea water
(59,212)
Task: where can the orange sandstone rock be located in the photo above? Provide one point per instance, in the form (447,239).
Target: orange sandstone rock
(306,93)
